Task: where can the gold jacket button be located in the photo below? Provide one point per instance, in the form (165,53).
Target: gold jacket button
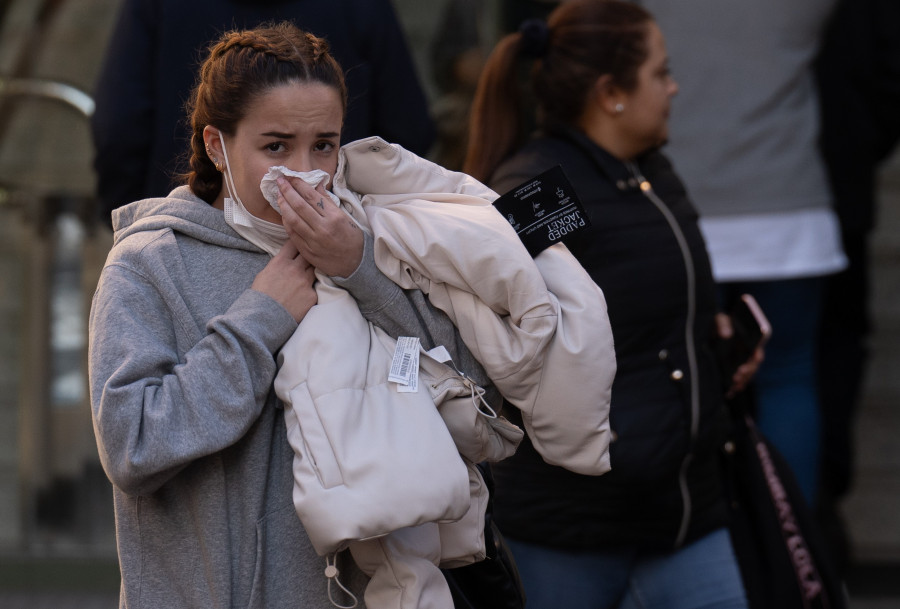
(677,375)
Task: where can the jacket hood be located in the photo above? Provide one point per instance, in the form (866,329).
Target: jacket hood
(183,212)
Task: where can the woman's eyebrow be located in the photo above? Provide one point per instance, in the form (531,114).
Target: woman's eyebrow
(283,136)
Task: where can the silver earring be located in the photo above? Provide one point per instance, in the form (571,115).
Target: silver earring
(620,108)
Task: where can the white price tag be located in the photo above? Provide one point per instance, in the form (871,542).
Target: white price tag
(405,363)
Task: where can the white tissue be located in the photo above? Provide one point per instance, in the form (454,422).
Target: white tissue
(269,186)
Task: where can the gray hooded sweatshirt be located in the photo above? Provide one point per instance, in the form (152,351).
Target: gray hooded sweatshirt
(189,431)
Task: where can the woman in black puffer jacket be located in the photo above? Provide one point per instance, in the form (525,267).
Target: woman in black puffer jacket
(653,529)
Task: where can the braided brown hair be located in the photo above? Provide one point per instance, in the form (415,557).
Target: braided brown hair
(241,66)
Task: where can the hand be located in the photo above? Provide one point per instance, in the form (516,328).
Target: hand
(746,371)
(323,234)
(288,279)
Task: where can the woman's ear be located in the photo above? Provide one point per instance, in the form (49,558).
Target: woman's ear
(212,139)
(606,96)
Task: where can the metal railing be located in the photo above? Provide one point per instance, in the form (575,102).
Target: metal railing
(61,505)
(48,89)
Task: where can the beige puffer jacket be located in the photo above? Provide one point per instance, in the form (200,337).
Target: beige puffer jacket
(539,327)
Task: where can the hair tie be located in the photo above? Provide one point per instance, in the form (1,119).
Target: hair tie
(535,35)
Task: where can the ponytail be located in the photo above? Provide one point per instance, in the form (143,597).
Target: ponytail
(496,121)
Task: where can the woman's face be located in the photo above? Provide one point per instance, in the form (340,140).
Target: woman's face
(644,119)
(297,125)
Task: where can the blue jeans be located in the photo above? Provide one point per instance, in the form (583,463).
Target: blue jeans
(787,400)
(703,575)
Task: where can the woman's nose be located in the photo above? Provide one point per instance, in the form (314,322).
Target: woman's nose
(301,162)
(673,87)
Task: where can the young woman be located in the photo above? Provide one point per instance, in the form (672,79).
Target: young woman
(651,532)
(186,321)
(204,288)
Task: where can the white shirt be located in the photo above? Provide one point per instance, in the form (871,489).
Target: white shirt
(787,245)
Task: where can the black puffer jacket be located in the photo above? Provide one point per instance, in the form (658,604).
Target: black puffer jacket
(664,487)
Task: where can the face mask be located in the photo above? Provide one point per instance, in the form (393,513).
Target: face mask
(268,236)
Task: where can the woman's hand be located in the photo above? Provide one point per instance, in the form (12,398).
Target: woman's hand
(323,234)
(748,369)
(288,279)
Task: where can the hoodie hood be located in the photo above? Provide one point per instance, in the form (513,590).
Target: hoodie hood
(182,212)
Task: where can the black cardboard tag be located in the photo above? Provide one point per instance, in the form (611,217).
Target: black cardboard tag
(543,210)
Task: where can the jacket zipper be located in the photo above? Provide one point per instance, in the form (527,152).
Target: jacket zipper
(647,190)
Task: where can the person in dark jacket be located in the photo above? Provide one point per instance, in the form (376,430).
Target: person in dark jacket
(654,527)
(858,75)
(150,66)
